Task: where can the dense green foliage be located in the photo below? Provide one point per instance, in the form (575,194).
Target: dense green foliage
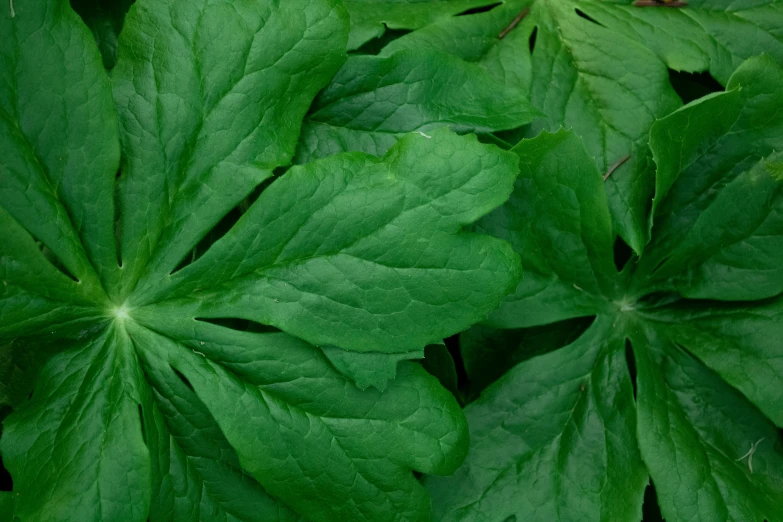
(235,234)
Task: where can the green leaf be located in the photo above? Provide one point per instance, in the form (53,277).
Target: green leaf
(373,101)
(104,18)
(369,368)
(210,117)
(7,506)
(741,343)
(397,275)
(439,363)
(566,246)
(708,372)
(370,18)
(712,455)
(706,35)
(489,352)
(148,410)
(349,452)
(552,439)
(604,85)
(76,450)
(718,231)
(196,472)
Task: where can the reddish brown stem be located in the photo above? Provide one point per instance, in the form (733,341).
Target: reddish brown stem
(522,14)
(614,167)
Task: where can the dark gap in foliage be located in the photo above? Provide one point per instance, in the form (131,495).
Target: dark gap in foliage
(143,427)
(651,512)
(241,325)
(483,9)
(223,226)
(452,344)
(490,352)
(514,136)
(105,19)
(490,138)
(587,17)
(532,40)
(182,378)
(374,46)
(510,518)
(6,482)
(117,218)
(630,360)
(692,86)
(55,261)
(622,253)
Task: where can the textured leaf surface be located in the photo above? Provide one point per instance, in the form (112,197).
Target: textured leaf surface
(718,221)
(706,35)
(708,372)
(157,404)
(552,439)
(557,219)
(396,276)
(604,85)
(694,430)
(372,101)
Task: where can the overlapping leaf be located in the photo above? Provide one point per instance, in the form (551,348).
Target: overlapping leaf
(155,404)
(372,101)
(609,88)
(708,372)
(370,18)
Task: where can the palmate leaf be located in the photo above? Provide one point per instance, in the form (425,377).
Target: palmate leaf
(556,437)
(157,403)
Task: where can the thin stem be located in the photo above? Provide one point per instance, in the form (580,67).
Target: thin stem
(522,14)
(614,167)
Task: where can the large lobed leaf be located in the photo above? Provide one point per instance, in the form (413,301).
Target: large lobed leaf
(153,399)
(556,437)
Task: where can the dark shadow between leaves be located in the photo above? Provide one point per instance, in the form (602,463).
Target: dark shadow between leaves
(182,378)
(223,226)
(531,42)
(55,261)
(630,360)
(622,253)
(240,325)
(587,17)
(692,86)
(488,353)
(143,427)
(376,45)
(651,512)
(482,9)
